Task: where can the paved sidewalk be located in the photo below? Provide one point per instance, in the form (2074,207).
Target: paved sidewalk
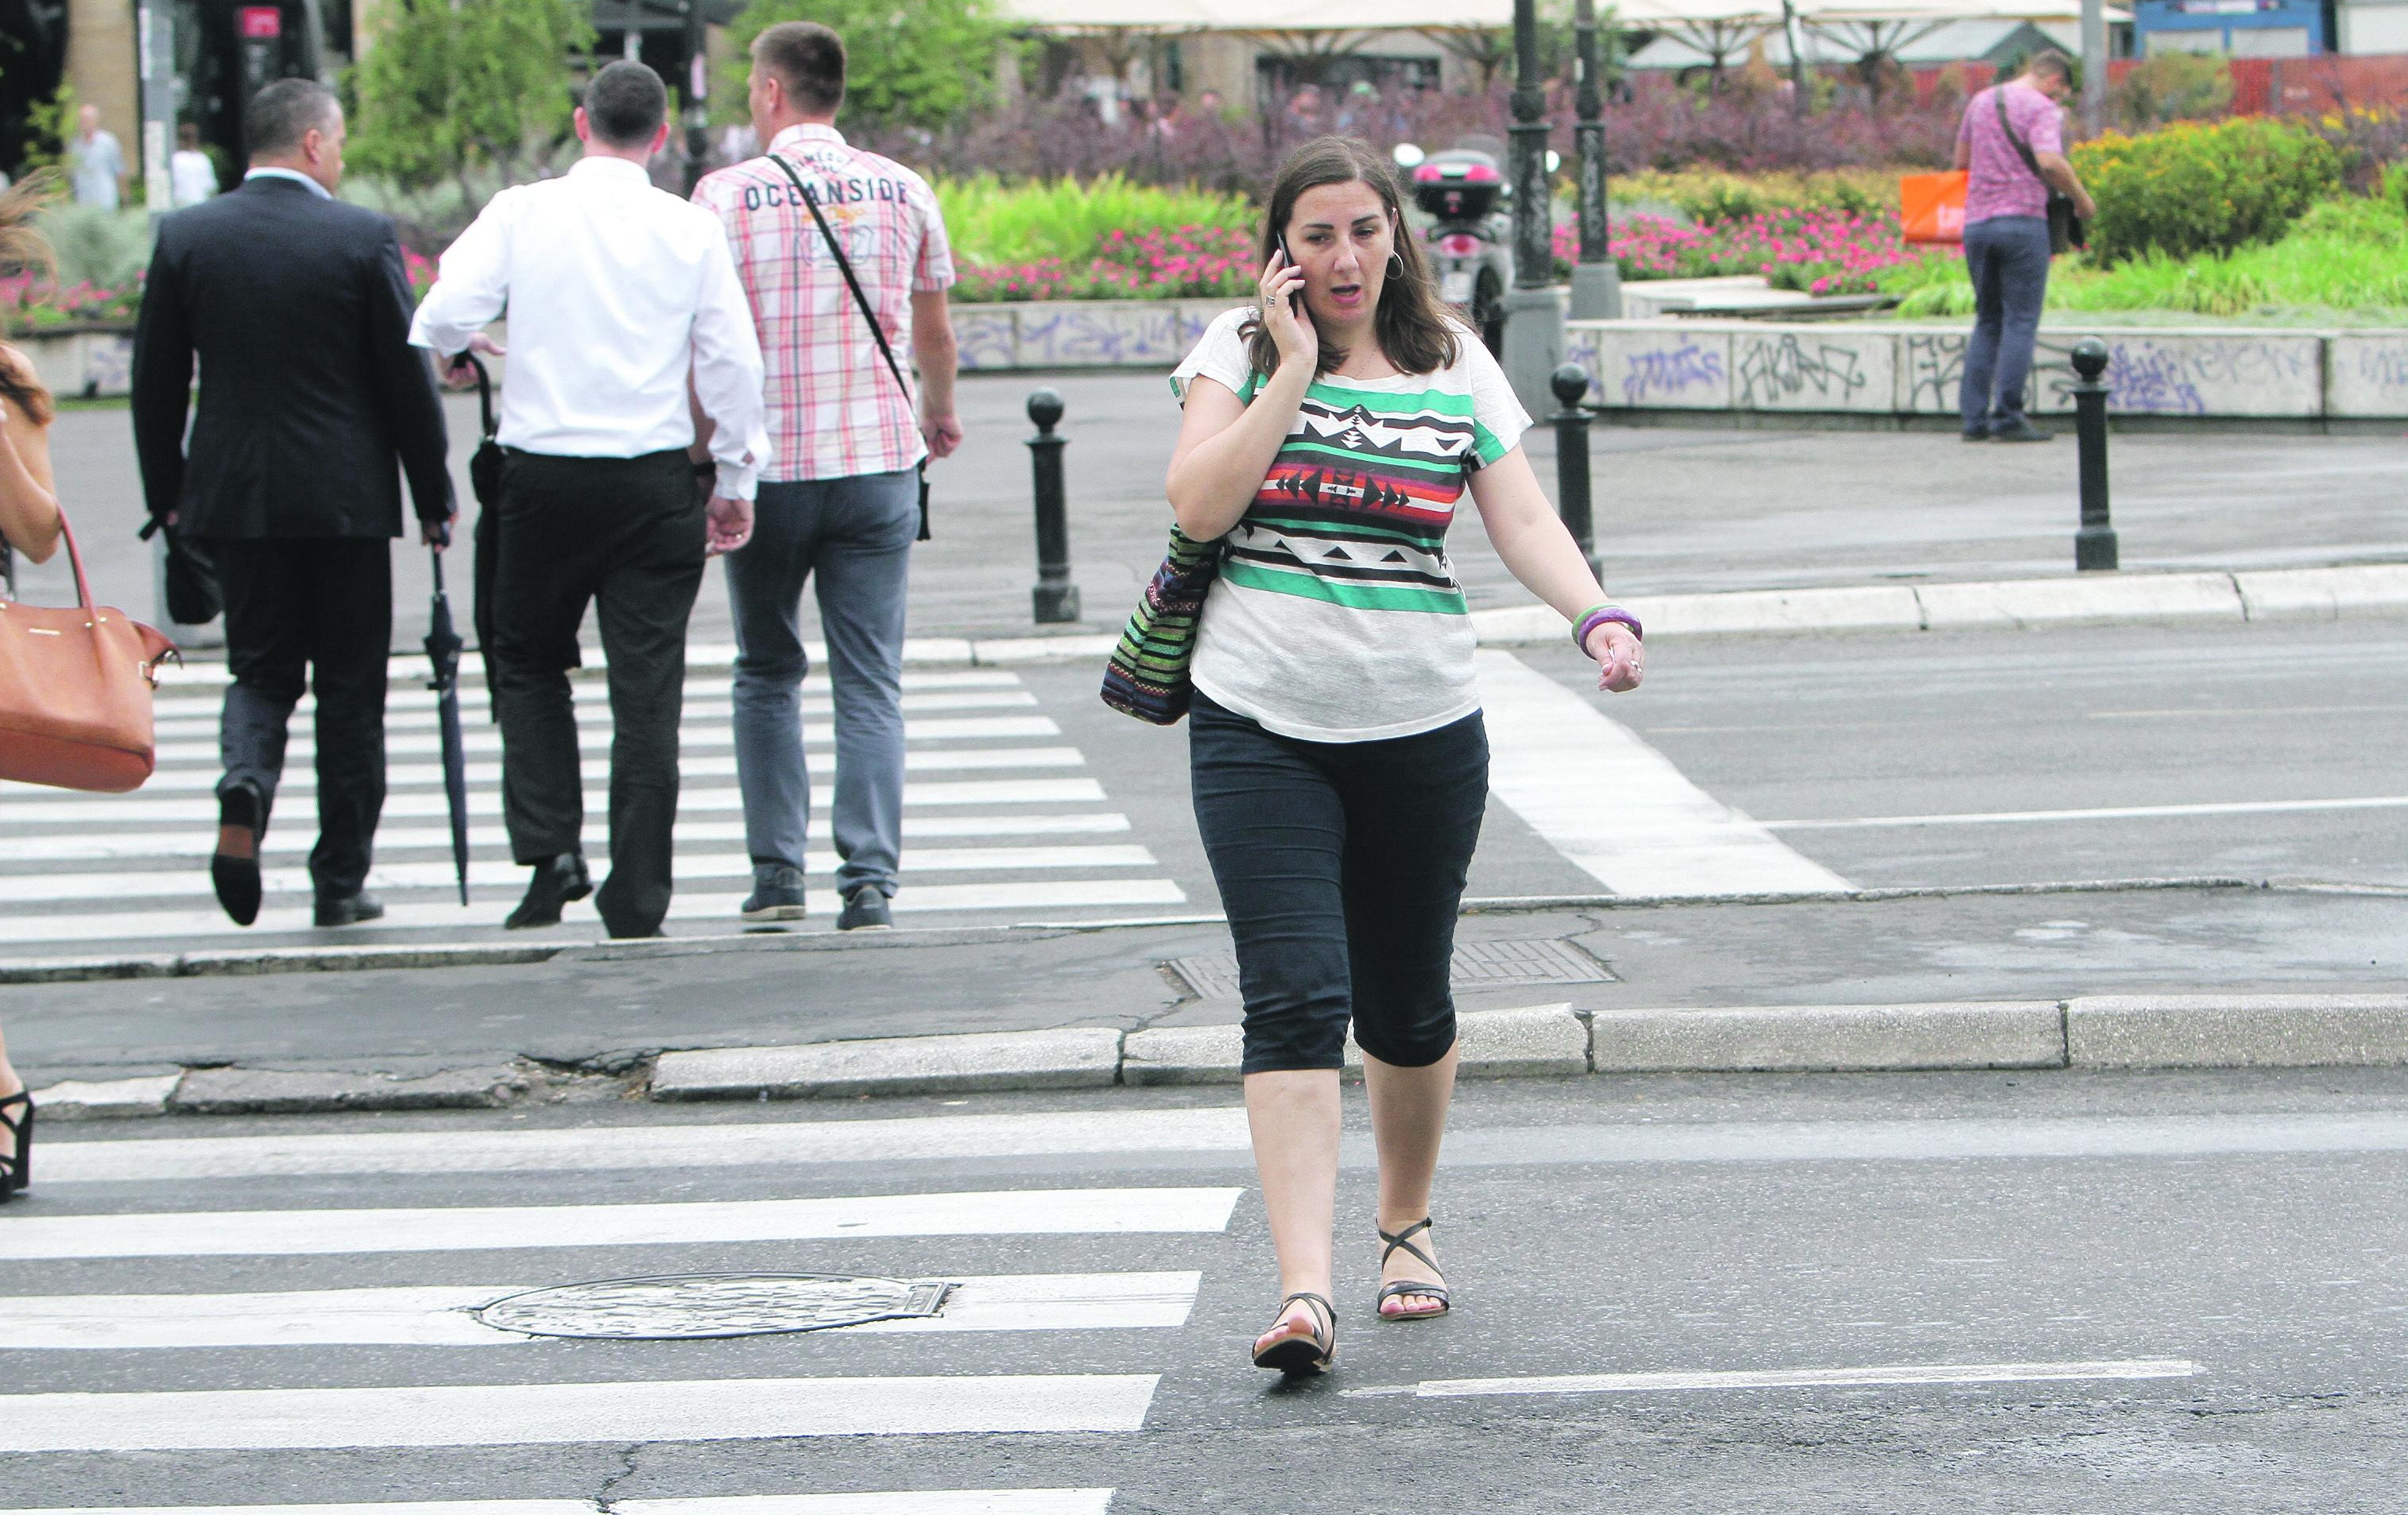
(597,1018)
(1678,511)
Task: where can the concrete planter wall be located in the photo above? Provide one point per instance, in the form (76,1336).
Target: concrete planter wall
(81,360)
(1899,369)
(1044,334)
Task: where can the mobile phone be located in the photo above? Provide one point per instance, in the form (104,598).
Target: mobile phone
(1295,301)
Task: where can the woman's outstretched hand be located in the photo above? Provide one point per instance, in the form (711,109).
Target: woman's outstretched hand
(1291,329)
(1620,661)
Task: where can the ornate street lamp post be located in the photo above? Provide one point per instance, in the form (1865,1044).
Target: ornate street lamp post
(1596,281)
(1534,314)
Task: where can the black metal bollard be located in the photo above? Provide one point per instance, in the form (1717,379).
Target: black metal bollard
(1055,597)
(1570,384)
(2094,544)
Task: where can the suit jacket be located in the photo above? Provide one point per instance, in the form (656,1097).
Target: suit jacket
(299,311)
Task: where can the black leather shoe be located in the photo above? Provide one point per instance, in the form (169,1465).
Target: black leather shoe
(348,909)
(555,884)
(236,879)
(2020,431)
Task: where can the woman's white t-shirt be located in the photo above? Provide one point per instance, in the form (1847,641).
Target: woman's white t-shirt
(1336,616)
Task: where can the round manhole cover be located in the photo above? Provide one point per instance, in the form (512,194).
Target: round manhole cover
(698,1304)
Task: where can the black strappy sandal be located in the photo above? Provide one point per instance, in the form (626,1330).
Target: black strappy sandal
(1298,1355)
(1409,1286)
(20,1127)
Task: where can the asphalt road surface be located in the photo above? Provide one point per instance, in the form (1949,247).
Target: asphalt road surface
(1979,1292)
(1801,765)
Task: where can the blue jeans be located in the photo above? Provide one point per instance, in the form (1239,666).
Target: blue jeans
(1341,865)
(856,534)
(2008,257)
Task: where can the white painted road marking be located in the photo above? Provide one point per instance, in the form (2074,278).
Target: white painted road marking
(318,1233)
(647,1146)
(2014,818)
(912,1502)
(17,807)
(153,926)
(1640,1383)
(1615,807)
(438,1317)
(553,1414)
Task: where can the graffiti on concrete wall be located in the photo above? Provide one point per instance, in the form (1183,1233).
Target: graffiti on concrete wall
(2382,366)
(1935,368)
(1778,369)
(2196,377)
(1671,373)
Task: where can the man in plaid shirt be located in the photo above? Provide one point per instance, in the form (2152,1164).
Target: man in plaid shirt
(841,494)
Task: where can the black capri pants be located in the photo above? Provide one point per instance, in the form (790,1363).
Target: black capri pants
(1341,865)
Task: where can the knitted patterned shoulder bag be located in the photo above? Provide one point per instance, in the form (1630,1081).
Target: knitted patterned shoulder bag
(1147,676)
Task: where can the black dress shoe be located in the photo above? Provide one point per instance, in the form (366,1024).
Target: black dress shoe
(236,879)
(348,909)
(555,884)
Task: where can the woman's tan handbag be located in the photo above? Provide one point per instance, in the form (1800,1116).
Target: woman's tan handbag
(74,692)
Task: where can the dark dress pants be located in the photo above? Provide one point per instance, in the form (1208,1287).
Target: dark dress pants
(626,535)
(314,613)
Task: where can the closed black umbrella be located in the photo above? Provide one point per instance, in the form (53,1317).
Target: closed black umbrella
(443,651)
(485,482)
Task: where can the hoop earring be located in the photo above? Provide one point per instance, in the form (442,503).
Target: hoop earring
(1396,265)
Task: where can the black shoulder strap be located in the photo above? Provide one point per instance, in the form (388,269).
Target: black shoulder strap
(1999,93)
(844,266)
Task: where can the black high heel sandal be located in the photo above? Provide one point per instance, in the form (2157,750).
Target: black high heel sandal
(1298,1355)
(1410,1286)
(20,1169)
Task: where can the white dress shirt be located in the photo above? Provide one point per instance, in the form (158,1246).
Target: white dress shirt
(294,174)
(615,292)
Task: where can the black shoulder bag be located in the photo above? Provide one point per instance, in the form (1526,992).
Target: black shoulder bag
(844,266)
(2065,229)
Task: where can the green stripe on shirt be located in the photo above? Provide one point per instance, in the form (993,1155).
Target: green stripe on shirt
(1351,594)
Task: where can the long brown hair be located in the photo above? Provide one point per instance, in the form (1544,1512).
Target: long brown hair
(1410,325)
(24,249)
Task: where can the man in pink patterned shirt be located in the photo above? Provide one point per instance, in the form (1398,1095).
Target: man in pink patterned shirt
(841,495)
(2006,238)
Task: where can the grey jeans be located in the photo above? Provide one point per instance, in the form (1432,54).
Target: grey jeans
(856,534)
(2008,259)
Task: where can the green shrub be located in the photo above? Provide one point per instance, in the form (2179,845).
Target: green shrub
(1712,196)
(2176,86)
(2193,187)
(994,222)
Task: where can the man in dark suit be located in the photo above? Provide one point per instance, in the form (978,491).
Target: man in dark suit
(299,311)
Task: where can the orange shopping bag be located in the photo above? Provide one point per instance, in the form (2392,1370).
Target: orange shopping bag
(1932,207)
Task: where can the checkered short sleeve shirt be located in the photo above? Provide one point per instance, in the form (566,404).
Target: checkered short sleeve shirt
(833,410)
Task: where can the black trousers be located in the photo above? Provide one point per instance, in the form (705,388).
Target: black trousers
(1340,865)
(625,535)
(314,613)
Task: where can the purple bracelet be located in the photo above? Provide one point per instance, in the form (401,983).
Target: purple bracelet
(1604,615)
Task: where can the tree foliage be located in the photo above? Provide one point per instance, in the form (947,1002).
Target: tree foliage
(445,89)
(910,64)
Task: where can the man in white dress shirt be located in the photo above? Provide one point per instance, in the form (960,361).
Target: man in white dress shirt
(618,295)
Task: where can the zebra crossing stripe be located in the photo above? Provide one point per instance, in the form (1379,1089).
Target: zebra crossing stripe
(438,1316)
(91,846)
(646,1147)
(43,889)
(468,1228)
(911,1502)
(299,781)
(20,807)
(555,1414)
(709,698)
(448,914)
(1615,806)
(200,744)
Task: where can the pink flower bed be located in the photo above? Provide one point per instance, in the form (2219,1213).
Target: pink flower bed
(1153,264)
(1818,252)
(30,304)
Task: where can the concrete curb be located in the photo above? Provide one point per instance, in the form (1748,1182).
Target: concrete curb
(2324,594)
(2121,1032)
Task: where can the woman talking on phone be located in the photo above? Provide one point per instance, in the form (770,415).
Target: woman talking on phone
(1339,765)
